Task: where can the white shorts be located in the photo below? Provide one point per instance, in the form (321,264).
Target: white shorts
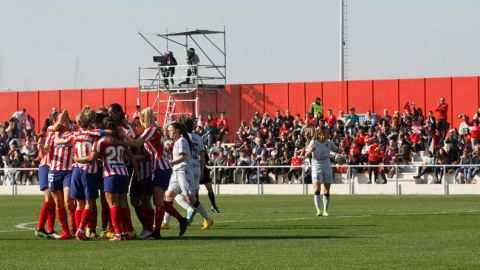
(322,174)
(181,182)
(196,177)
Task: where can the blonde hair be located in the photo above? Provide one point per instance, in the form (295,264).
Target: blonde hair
(147,117)
(85,118)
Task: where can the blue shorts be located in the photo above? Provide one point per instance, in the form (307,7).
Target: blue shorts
(84,185)
(43,177)
(116,184)
(161,178)
(141,188)
(57,180)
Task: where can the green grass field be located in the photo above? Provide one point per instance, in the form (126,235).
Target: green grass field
(271,232)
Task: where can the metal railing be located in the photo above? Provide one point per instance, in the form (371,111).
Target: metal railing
(349,174)
(260,171)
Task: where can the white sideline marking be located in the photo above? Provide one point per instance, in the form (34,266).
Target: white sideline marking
(24,226)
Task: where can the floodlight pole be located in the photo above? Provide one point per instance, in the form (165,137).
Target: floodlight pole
(342,40)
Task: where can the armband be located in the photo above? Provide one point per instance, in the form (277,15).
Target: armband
(103,132)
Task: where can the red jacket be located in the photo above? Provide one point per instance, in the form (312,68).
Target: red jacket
(375,153)
(296,161)
(441,111)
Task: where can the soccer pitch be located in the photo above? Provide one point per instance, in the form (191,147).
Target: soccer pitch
(270,232)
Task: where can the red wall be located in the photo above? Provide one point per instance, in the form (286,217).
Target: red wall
(242,101)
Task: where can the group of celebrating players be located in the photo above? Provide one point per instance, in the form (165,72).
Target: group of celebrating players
(100,151)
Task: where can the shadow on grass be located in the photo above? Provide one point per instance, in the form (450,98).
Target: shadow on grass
(262,237)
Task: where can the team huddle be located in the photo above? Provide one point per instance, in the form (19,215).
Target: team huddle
(100,155)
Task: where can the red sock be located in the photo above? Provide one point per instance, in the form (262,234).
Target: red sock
(73,223)
(51,217)
(116,219)
(149,216)
(110,224)
(62,219)
(84,218)
(92,221)
(172,211)
(78,219)
(140,215)
(42,217)
(159,214)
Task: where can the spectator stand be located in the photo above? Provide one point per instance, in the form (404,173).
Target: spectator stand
(185,88)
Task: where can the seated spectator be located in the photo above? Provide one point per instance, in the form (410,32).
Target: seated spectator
(475,159)
(223,126)
(428,160)
(296,160)
(461,173)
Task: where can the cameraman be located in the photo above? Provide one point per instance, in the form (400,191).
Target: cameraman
(192,61)
(169,71)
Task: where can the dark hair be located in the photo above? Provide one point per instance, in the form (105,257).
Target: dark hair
(188,125)
(118,108)
(109,123)
(183,131)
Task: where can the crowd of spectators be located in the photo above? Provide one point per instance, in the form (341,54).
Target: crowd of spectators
(18,149)
(280,140)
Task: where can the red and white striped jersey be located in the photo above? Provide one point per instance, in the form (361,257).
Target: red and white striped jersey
(82,141)
(112,157)
(62,159)
(144,166)
(154,146)
(49,140)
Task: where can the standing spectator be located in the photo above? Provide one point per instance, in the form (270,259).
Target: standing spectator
(19,116)
(316,108)
(440,159)
(441,115)
(136,114)
(331,119)
(29,125)
(288,118)
(386,117)
(375,156)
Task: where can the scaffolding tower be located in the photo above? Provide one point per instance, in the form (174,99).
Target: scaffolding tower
(208,78)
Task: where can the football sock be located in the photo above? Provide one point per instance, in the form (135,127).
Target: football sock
(182,201)
(42,217)
(201,210)
(211,197)
(78,219)
(92,223)
(127,219)
(166,218)
(159,213)
(140,215)
(86,213)
(326,201)
(316,199)
(115,216)
(73,223)
(62,219)
(172,211)
(51,217)
(149,217)
(110,224)
(105,213)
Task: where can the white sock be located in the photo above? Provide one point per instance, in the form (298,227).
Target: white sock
(166,218)
(326,202)
(316,199)
(201,210)
(182,201)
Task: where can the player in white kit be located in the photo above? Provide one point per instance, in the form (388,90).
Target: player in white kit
(319,150)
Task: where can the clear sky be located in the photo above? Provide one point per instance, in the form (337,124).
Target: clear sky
(62,44)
